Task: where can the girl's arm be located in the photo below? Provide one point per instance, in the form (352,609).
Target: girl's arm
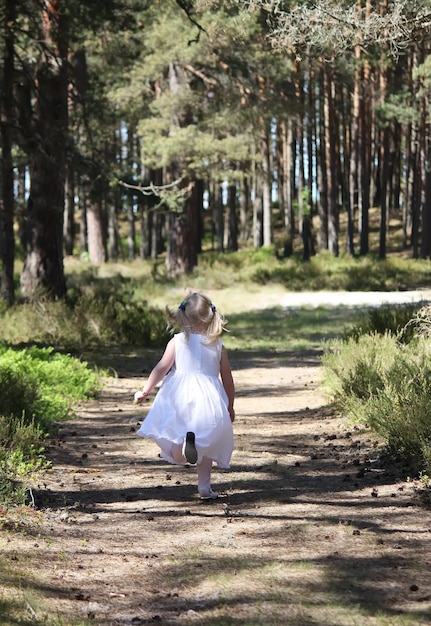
(227,380)
(158,372)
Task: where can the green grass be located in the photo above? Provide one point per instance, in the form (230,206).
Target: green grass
(123,303)
(261,267)
(280,329)
(38,388)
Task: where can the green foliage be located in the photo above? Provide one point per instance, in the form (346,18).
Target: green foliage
(109,312)
(125,305)
(398,107)
(322,272)
(36,383)
(38,387)
(394,319)
(378,381)
(96,311)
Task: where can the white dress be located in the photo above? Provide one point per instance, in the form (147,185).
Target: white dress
(192,398)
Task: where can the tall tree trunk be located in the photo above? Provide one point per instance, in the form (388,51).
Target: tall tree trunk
(112,228)
(132,157)
(7,239)
(145,217)
(83,229)
(383,184)
(182,257)
(131,229)
(418,165)
(279,167)
(266,185)
(426,216)
(231,225)
(216,202)
(288,159)
(331,128)
(69,212)
(365,133)
(244,206)
(322,173)
(182,246)
(346,196)
(365,167)
(95,231)
(156,220)
(43,271)
(424,169)
(354,167)
(304,198)
(257,209)
(394,165)
(383,156)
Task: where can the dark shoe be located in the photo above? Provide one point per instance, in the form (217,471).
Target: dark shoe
(189,449)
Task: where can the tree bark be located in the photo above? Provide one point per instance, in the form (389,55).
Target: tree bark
(244,206)
(7,238)
(426,219)
(217,215)
(266,185)
(95,232)
(365,163)
(331,128)
(69,213)
(287,184)
(182,256)
(257,210)
(43,271)
(231,225)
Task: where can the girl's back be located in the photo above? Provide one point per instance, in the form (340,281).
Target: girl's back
(195,355)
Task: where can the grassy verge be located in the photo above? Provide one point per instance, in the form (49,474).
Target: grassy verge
(380,376)
(38,388)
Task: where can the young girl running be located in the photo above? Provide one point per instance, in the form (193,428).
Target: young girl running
(192,414)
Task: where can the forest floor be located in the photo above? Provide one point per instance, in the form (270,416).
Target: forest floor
(310,527)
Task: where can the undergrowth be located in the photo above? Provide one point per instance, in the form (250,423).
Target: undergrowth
(383,379)
(95,312)
(38,388)
(112,305)
(322,272)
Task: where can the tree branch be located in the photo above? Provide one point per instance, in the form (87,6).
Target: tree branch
(151,189)
(330,26)
(188,8)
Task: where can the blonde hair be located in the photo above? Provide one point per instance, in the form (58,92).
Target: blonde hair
(197,313)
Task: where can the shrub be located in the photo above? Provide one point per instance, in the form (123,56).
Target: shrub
(393,319)
(119,318)
(37,388)
(39,384)
(102,311)
(356,368)
(386,385)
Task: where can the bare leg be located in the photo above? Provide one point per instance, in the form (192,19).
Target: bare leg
(177,453)
(204,479)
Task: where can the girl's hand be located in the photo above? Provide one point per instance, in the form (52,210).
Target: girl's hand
(140,396)
(232,414)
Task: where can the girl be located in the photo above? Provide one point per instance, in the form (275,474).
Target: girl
(192,414)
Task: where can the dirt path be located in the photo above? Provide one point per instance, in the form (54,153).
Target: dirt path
(310,529)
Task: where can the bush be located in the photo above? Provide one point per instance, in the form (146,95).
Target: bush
(39,384)
(38,387)
(393,319)
(103,311)
(356,368)
(385,385)
(119,318)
